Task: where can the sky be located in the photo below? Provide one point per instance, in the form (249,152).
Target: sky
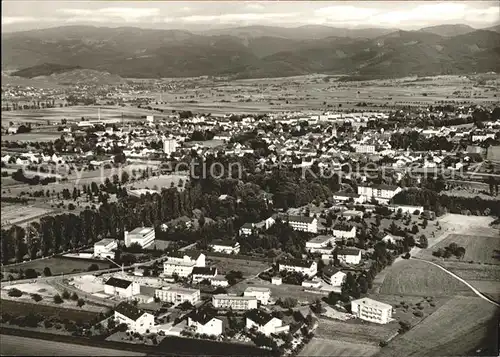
(20,15)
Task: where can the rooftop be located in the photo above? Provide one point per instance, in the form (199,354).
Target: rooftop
(104,242)
(129,310)
(320,239)
(257,289)
(301,219)
(118,283)
(372,303)
(141,230)
(202,316)
(348,251)
(180,290)
(297,263)
(233,297)
(205,271)
(260,317)
(330,270)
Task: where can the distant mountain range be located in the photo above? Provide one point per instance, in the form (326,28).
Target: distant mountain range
(252,52)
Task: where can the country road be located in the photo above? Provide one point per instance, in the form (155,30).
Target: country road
(477,292)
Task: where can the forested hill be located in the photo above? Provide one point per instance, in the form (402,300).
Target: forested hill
(253,52)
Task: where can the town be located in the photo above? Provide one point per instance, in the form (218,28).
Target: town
(188,216)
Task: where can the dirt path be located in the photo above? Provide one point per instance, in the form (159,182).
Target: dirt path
(477,292)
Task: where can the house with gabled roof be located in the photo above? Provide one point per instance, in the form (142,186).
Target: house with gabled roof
(121,288)
(264,322)
(205,322)
(137,320)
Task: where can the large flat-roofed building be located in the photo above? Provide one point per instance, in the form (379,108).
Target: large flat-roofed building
(225,246)
(302,223)
(235,302)
(306,267)
(371,310)
(180,268)
(144,236)
(382,193)
(349,255)
(262,294)
(178,295)
(105,248)
(320,243)
(343,230)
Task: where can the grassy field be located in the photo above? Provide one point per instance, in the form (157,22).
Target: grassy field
(32,137)
(355,331)
(159,182)
(454,329)
(411,277)
(326,347)
(478,249)
(16,345)
(249,268)
(13,214)
(59,265)
(18,308)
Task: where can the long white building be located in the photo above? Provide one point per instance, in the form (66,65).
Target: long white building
(371,310)
(178,295)
(235,302)
(144,236)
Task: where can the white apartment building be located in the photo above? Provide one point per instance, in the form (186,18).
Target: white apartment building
(320,243)
(344,231)
(382,193)
(203,273)
(121,288)
(144,236)
(105,248)
(304,224)
(312,283)
(235,302)
(346,196)
(365,149)
(177,295)
(169,146)
(349,256)
(265,323)
(136,320)
(308,268)
(333,276)
(179,268)
(226,247)
(263,295)
(219,280)
(205,323)
(371,310)
(190,257)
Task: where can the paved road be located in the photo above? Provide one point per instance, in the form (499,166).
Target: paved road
(24,346)
(477,292)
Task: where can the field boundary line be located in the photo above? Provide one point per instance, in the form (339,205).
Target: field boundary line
(477,292)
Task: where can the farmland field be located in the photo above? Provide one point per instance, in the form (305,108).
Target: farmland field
(59,265)
(326,347)
(478,249)
(16,345)
(18,308)
(411,277)
(249,268)
(14,214)
(454,329)
(355,331)
(33,136)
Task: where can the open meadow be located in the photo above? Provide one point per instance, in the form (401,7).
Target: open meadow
(478,249)
(249,268)
(58,265)
(455,328)
(326,347)
(412,277)
(16,214)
